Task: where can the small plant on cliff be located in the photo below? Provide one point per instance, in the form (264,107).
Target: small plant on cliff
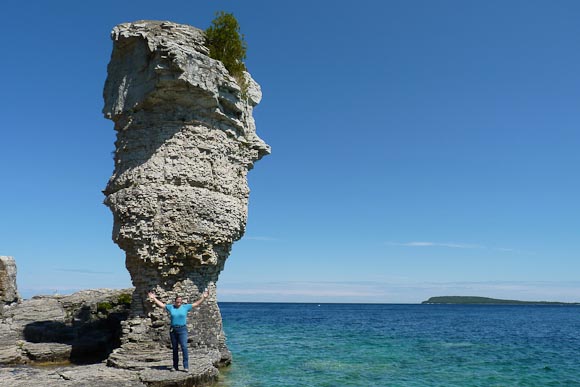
(125,299)
(104,307)
(226,44)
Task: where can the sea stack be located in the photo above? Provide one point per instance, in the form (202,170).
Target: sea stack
(186,140)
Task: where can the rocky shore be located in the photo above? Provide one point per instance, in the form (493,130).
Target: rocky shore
(99,375)
(74,340)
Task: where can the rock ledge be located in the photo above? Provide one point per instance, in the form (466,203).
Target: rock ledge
(57,340)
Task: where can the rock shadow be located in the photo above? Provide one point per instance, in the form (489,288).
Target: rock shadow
(90,341)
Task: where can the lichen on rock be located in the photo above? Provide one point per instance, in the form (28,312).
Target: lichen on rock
(186,140)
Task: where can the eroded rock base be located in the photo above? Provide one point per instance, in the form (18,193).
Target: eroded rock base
(80,328)
(75,341)
(153,374)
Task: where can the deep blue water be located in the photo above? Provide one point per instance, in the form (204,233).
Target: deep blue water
(347,345)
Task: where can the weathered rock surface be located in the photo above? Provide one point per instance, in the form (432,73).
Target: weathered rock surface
(79,328)
(8,288)
(99,375)
(44,340)
(185,142)
(94,375)
(56,340)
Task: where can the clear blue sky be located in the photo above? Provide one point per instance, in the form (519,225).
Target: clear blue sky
(419,148)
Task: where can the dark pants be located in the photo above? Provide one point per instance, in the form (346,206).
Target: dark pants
(179,336)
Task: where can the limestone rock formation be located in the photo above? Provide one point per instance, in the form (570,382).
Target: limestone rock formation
(56,336)
(8,288)
(79,328)
(99,375)
(186,140)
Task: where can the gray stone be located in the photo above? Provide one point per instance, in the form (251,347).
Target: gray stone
(8,288)
(85,326)
(47,352)
(95,375)
(99,375)
(42,308)
(186,139)
(11,354)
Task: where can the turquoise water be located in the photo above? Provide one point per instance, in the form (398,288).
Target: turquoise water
(347,345)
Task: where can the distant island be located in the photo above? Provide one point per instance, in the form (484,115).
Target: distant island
(471,300)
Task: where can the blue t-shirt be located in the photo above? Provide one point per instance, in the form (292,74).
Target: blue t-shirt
(178,315)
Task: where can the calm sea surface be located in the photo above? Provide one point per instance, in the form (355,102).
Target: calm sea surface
(342,345)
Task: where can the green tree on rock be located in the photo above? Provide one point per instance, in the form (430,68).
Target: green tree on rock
(227,45)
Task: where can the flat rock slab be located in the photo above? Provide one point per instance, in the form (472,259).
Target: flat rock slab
(154,366)
(137,365)
(47,352)
(164,378)
(96,375)
(134,356)
(100,375)
(10,355)
(39,309)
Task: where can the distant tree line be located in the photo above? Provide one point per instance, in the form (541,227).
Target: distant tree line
(485,300)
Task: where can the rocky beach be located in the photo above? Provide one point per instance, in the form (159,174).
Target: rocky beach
(73,340)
